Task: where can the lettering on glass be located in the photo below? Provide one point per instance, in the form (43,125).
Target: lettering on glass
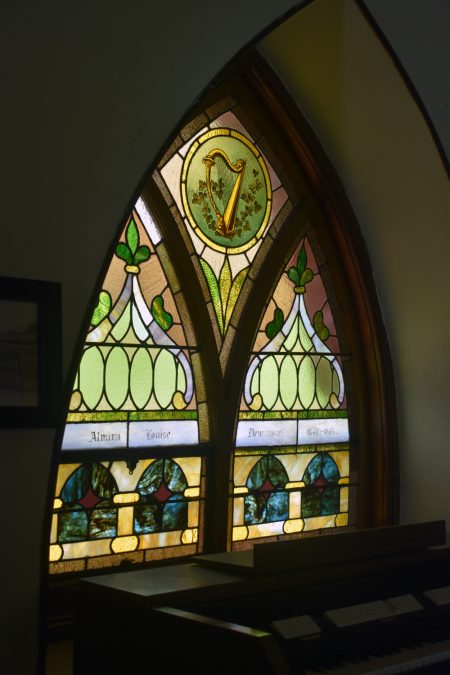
(157,435)
(98,437)
(263,433)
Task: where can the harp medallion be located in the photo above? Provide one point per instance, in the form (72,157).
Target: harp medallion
(226,190)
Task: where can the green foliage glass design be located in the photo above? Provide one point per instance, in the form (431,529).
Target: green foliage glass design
(163,319)
(300,274)
(274,326)
(103,308)
(224,291)
(319,326)
(131,252)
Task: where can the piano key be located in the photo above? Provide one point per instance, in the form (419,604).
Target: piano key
(403,661)
(302,626)
(403,604)
(356,614)
(439,596)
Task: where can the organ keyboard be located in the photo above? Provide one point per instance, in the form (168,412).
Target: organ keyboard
(374,601)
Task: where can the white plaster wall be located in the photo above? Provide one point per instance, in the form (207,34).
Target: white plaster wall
(374,134)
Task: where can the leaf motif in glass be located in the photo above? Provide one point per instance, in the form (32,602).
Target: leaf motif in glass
(228,195)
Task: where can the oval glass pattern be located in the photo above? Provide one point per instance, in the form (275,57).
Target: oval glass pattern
(288,382)
(268,381)
(165,378)
(306,381)
(117,377)
(141,377)
(91,376)
(324,382)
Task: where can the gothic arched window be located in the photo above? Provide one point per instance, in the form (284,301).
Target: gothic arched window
(234,384)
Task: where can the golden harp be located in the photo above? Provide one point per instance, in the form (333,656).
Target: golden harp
(225,220)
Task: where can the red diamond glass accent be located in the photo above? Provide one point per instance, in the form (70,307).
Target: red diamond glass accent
(162,494)
(89,500)
(266,488)
(320,483)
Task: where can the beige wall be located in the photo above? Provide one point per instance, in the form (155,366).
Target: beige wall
(374,134)
(90,99)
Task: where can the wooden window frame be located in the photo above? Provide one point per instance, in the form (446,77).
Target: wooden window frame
(318,200)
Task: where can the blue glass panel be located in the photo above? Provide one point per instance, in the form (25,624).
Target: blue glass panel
(76,485)
(72,526)
(277,507)
(174,515)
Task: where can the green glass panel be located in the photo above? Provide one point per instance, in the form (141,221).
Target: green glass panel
(215,293)
(324,382)
(288,382)
(164,415)
(165,382)
(310,502)
(141,377)
(335,382)
(289,343)
(330,501)
(116,377)
(306,381)
(121,328)
(91,376)
(304,337)
(98,417)
(269,381)
(225,284)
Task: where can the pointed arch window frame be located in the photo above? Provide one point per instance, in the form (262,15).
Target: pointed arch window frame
(322,202)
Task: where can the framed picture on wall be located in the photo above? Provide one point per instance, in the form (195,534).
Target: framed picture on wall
(30,353)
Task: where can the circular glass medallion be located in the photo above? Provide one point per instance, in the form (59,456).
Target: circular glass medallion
(226,190)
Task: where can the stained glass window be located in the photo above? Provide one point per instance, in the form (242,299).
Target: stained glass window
(134,389)
(131,485)
(227,195)
(291,463)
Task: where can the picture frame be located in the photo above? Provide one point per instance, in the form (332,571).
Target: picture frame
(30,353)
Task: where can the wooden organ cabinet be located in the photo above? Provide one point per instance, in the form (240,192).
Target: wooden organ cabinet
(369,601)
